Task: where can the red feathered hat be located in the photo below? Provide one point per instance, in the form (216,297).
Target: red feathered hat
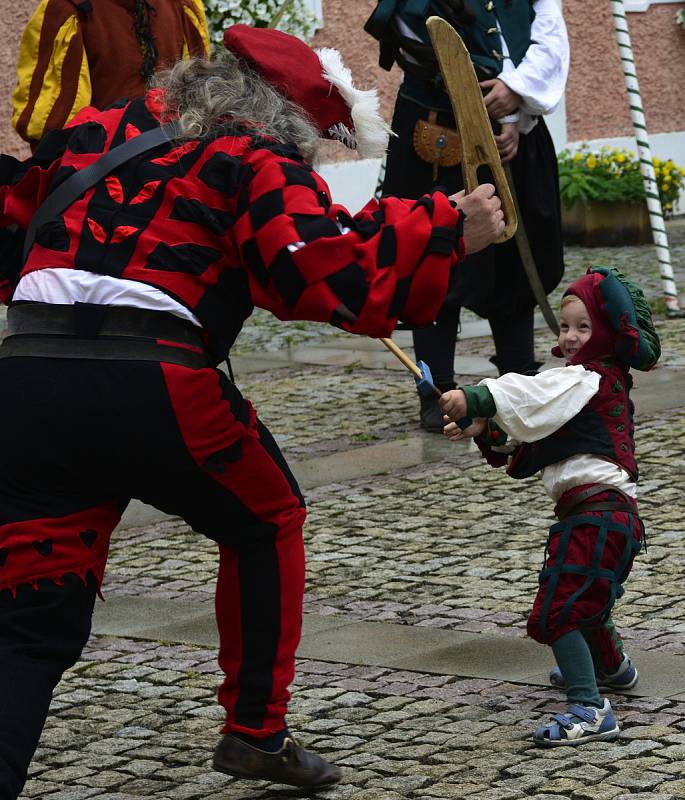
(317,81)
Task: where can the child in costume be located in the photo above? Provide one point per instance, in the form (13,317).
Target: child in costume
(574,425)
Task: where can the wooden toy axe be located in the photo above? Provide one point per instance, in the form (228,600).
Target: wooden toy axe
(422,376)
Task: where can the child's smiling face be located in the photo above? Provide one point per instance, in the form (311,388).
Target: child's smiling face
(575,327)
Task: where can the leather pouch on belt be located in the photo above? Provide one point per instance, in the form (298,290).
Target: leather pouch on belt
(436,144)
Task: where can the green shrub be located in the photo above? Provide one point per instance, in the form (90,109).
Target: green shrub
(611,175)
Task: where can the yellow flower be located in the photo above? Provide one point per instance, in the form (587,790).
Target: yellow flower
(591,161)
(578,156)
(620,158)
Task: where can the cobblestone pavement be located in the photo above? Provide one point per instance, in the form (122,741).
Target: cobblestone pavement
(136,719)
(443,546)
(449,544)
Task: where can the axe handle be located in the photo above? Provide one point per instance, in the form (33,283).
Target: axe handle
(408,363)
(464,422)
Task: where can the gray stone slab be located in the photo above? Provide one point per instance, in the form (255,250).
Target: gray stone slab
(139,514)
(363,356)
(377,459)
(360,352)
(474,365)
(187,622)
(152,617)
(313,624)
(338,638)
(379,644)
(661,675)
(259,362)
(661,389)
(346,465)
(497,657)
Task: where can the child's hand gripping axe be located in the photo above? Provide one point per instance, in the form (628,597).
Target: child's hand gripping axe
(422,376)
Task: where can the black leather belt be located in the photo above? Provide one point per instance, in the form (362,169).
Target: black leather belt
(114,333)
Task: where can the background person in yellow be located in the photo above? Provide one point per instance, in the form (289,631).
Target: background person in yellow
(74,54)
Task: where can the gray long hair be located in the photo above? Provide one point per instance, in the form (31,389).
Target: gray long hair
(214,94)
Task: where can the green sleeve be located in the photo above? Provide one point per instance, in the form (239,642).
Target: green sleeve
(479,402)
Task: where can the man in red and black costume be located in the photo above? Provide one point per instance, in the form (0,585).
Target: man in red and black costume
(127,300)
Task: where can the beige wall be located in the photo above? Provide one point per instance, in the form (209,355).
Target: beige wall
(14,15)
(343,29)
(596,102)
(596,99)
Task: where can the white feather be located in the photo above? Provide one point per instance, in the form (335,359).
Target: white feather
(370,135)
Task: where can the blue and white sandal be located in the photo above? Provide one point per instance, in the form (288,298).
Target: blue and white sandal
(578,725)
(625,677)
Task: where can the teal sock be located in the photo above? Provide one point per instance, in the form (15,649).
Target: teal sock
(575,662)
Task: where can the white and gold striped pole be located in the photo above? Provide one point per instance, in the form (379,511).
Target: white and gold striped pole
(656,215)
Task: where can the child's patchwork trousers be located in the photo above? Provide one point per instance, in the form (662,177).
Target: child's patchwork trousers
(588,556)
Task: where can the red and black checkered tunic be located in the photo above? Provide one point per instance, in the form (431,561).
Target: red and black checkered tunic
(232,221)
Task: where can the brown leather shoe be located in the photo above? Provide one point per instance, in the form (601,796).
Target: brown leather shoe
(292,764)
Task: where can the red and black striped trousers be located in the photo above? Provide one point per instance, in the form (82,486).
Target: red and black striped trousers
(78,440)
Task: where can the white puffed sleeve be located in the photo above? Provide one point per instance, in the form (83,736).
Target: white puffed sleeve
(530,407)
(540,78)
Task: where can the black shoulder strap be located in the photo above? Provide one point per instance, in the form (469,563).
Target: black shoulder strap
(78,183)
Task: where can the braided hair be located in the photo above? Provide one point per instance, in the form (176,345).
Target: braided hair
(142,28)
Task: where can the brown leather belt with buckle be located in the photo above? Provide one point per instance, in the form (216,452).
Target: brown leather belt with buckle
(582,503)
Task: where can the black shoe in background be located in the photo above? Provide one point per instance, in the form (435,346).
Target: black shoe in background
(430,413)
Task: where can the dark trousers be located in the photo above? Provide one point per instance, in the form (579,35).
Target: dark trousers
(588,557)
(42,633)
(78,440)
